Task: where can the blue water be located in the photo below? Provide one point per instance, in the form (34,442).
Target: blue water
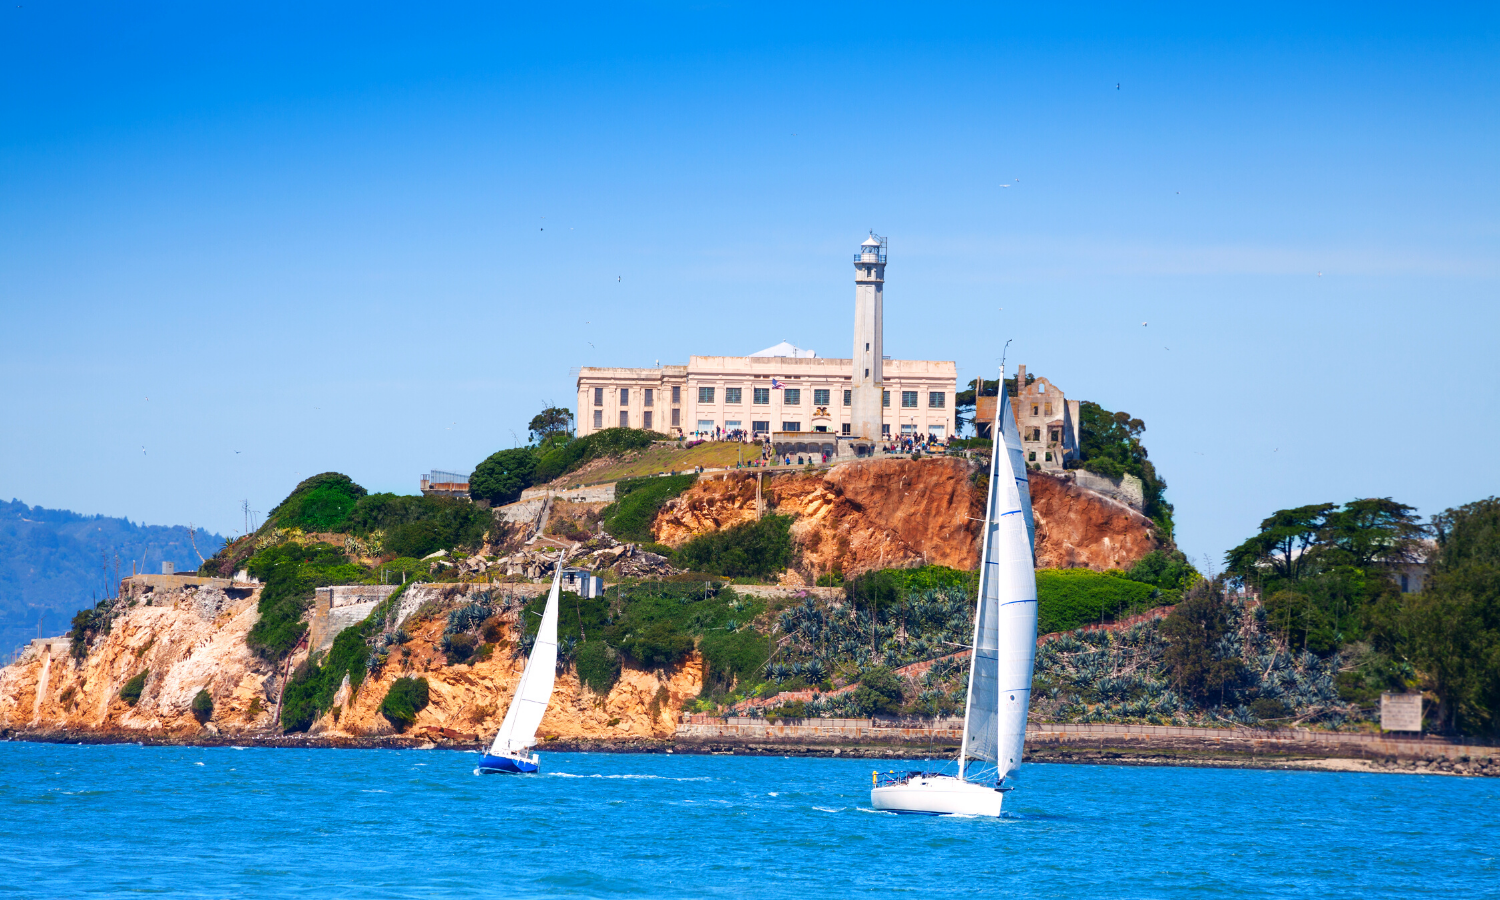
(220,822)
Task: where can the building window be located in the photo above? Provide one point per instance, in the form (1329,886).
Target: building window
(599,417)
(1047,409)
(908,399)
(936,431)
(1031,457)
(792,396)
(598,396)
(1056,436)
(846,428)
(705,424)
(885,430)
(676,418)
(1033,409)
(650,396)
(705,395)
(732,425)
(676,393)
(820,428)
(624,396)
(646,420)
(791,426)
(909,428)
(820,397)
(885,399)
(936,400)
(848,398)
(1048,456)
(732,395)
(624,419)
(760,427)
(1405,585)
(762,396)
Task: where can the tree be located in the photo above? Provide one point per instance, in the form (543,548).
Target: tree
(1376,530)
(1110,445)
(502,477)
(1194,656)
(879,692)
(203,705)
(550,421)
(1284,543)
(1453,625)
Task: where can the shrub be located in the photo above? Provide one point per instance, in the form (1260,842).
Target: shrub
(747,550)
(203,706)
(598,666)
(414,539)
(733,657)
(445,521)
(879,692)
(637,501)
(311,690)
(502,476)
(1071,598)
(659,645)
(459,647)
(291,573)
(131,692)
(406,698)
(834,578)
(320,503)
(560,460)
(1269,708)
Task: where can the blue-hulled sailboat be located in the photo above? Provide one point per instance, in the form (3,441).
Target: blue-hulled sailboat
(509,754)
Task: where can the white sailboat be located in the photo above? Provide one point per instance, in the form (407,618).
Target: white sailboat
(1003,651)
(508,754)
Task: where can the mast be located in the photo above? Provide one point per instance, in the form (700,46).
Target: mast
(984,554)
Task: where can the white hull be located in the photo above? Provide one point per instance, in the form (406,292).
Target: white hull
(938,795)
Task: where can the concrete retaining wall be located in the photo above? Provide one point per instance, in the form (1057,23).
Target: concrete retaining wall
(1127,490)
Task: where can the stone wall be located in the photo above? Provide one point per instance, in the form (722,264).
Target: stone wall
(338,607)
(1127,489)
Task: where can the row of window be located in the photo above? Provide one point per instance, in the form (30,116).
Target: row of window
(647,419)
(789,397)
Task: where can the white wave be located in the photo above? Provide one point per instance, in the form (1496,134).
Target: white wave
(830,809)
(373,791)
(774,794)
(639,777)
(237,747)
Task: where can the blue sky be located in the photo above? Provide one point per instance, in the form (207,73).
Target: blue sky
(266,241)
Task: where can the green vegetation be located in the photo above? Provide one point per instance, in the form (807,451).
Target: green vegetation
(554,420)
(561,458)
(750,549)
(598,665)
(879,693)
(1111,446)
(291,572)
(637,501)
(320,503)
(415,526)
(1071,598)
(502,477)
(203,705)
(406,698)
(311,690)
(131,692)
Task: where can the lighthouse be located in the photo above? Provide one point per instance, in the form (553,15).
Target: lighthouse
(869,384)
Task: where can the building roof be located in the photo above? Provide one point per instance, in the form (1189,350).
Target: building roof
(870,241)
(786,349)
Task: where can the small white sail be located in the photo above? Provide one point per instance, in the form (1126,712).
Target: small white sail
(1005,621)
(518,731)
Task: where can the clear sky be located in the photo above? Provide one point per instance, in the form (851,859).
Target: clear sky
(243,244)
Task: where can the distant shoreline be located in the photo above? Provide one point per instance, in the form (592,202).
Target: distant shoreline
(1485,764)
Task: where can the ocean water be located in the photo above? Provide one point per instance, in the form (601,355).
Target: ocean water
(221,822)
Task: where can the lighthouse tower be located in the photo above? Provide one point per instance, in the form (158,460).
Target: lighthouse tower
(869,292)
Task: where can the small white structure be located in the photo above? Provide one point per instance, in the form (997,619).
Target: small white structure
(168,568)
(1401,712)
(582,582)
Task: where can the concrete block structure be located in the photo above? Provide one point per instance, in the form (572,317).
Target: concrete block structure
(784,390)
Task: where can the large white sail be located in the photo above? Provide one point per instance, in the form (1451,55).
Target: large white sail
(1005,621)
(518,731)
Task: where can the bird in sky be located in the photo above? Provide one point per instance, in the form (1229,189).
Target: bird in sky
(1143,324)
(1117,85)
(143,451)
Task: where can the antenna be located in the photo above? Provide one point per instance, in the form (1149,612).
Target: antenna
(1003,351)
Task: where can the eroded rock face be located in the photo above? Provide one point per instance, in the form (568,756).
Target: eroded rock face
(897,512)
(195,639)
(1076,527)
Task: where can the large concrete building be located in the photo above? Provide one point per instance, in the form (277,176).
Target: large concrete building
(783,390)
(1045,417)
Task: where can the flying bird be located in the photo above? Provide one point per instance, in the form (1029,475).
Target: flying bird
(1143,324)
(1117,85)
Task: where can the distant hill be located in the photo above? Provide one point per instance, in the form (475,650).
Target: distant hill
(52,563)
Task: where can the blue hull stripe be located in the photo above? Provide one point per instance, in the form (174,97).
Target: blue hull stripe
(504,765)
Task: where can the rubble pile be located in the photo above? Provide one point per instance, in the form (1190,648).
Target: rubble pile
(598,555)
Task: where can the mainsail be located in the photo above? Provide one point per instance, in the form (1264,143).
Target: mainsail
(518,731)
(1005,621)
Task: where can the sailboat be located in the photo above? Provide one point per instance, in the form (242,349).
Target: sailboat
(508,753)
(1001,658)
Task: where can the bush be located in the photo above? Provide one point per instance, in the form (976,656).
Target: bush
(733,657)
(291,572)
(750,549)
(1071,598)
(560,460)
(445,521)
(320,503)
(502,476)
(598,666)
(637,501)
(311,690)
(131,692)
(459,647)
(406,698)
(831,579)
(659,645)
(203,706)
(414,539)
(879,692)
(1269,708)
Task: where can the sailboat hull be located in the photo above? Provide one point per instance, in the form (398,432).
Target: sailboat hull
(937,795)
(505,765)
